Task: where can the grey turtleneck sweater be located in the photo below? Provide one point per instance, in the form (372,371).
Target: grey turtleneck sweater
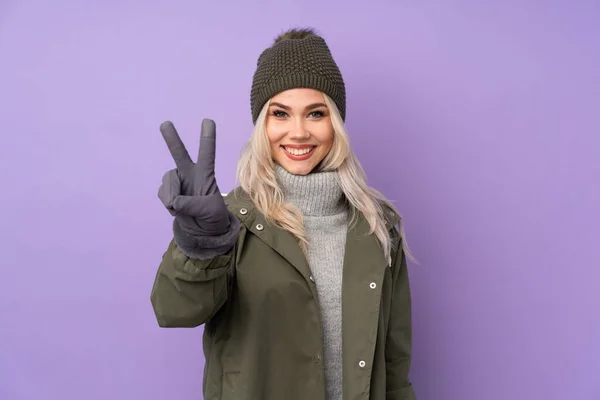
(320,199)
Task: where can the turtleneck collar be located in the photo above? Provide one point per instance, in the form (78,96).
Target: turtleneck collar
(315,194)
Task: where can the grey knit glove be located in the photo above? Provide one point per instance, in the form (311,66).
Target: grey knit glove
(203,225)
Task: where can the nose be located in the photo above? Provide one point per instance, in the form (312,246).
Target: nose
(298,131)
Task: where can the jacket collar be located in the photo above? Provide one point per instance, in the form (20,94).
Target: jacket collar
(358,240)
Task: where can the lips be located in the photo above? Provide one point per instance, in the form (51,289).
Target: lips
(298,153)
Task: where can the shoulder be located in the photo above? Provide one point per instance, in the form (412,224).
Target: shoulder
(393,222)
(391,216)
(237,200)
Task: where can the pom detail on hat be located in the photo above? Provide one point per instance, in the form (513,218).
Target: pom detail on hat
(295,33)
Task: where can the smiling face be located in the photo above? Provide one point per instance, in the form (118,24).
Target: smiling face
(299,129)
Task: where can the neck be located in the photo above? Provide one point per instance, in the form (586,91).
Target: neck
(315,194)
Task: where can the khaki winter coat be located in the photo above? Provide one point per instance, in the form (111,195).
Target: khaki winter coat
(262,335)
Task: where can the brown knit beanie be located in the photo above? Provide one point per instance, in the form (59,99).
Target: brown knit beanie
(298,58)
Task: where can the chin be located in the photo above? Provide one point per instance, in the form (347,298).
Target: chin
(297,169)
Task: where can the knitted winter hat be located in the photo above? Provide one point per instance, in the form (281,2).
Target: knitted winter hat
(298,58)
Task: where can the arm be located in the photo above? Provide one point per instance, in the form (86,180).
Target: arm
(194,276)
(189,291)
(399,337)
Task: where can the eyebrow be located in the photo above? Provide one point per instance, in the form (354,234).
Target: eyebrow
(310,107)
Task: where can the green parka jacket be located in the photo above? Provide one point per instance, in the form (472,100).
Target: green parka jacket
(262,335)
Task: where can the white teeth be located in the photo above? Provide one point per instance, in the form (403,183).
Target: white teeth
(298,152)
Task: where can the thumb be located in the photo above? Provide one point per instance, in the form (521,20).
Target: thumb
(169,189)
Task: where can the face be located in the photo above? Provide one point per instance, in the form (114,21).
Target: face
(299,129)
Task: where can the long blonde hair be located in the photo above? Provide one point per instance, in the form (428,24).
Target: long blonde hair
(256,176)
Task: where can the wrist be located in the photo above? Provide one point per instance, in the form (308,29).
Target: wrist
(205,245)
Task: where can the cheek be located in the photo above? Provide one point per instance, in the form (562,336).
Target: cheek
(325,136)
(275,133)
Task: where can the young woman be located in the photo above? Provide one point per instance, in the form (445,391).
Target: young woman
(299,274)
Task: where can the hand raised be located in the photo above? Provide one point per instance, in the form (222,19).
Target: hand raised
(191,189)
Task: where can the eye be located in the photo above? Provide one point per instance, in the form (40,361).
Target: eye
(317,114)
(280,114)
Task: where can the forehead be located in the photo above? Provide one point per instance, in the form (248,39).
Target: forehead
(299,97)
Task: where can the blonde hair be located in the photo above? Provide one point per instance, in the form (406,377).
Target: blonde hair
(256,176)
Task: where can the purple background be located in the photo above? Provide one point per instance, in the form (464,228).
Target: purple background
(480,119)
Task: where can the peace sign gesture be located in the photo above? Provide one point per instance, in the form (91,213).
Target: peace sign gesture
(190,191)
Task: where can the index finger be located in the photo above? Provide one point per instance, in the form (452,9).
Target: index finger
(208,139)
(176,146)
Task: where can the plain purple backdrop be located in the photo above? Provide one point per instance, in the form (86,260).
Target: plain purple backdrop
(480,119)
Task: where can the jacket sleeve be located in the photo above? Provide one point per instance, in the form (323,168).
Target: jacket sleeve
(189,291)
(399,336)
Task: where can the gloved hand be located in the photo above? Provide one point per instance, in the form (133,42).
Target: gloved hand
(190,191)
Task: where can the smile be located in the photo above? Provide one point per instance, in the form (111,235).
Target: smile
(298,152)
